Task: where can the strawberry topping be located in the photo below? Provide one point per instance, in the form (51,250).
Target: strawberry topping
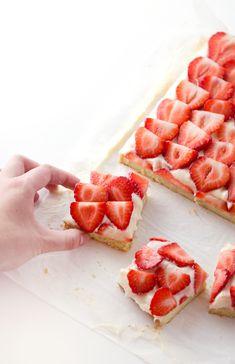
(227,261)
(221,48)
(141,282)
(208,121)
(147,144)
(163,129)
(88,215)
(90,192)
(203,66)
(208,174)
(226,132)
(173,279)
(230,72)
(147,258)
(166,176)
(232,295)
(119,213)
(98,178)
(174,111)
(191,94)
(217,87)
(139,184)
(221,151)
(175,253)
(120,189)
(221,279)
(231,186)
(223,107)
(133,157)
(162,302)
(192,136)
(183,299)
(178,156)
(199,278)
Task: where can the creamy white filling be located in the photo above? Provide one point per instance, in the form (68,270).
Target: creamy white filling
(158,162)
(144,300)
(183,176)
(223,299)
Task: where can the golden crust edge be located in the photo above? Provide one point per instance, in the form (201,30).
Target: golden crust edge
(228,312)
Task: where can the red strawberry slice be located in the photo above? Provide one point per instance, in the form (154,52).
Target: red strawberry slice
(174,111)
(178,156)
(88,215)
(208,174)
(98,178)
(158,238)
(120,189)
(167,178)
(139,184)
(119,213)
(232,295)
(183,299)
(223,107)
(203,66)
(192,136)
(173,279)
(226,132)
(147,144)
(210,200)
(208,121)
(221,151)
(163,129)
(175,253)
(221,279)
(141,282)
(133,157)
(162,302)
(229,74)
(199,278)
(89,192)
(221,48)
(191,94)
(147,258)
(217,87)
(231,186)
(227,261)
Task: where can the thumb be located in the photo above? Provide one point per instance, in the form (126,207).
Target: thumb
(55,240)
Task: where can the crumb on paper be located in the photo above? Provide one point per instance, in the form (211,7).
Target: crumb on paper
(45,270)
(93,275)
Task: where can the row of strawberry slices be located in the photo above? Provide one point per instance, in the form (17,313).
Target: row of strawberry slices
(150,274)
(109,196)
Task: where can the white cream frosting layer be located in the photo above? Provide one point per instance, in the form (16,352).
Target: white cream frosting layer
(144,300)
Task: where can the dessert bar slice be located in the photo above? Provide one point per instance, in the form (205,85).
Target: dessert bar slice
(162,279)
(222,297)
(109,208)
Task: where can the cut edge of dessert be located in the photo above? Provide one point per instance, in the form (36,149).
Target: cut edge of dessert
(108,208)
(162,279)
(188,143)
(222,295)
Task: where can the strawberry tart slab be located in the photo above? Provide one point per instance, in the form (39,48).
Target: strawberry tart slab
(222,297)
(109,208)
(162,279)
(188,141)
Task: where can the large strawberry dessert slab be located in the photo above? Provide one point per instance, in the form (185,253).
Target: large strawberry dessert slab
(162,279)
(188,142)
(109,208)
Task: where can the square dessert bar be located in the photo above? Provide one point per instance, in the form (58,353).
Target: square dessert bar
(109,208)
(222,297)
(188,142)
(162,279)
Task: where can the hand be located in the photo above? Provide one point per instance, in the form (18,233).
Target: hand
(21,236)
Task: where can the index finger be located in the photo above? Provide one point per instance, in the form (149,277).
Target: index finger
(44,175)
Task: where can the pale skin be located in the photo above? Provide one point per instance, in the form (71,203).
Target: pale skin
(21,236)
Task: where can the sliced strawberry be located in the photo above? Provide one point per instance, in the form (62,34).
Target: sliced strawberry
(191,94)
(223,107)
(203,66)
(229,74)
(192,136)
(139,184)
(208,121)
(208,174)
(163,129)
(158,238)
(141,282)
(108,231)
(221,279)
(232,295)
(227,261)
(178,156)
(174,111)
(183,299)
(226,132)
(98,178)
(133,157)
(119,213)
(90,192)
(120,189)
(162,302)
(173,279)
(175,253)
(88,215)
(217,87)
(199,278)
(205,198)
(166,177)
(147,258)
(231,186)
(147,144)
(221,151)
(221,47)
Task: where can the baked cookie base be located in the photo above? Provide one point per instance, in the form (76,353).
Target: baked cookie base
(222,311)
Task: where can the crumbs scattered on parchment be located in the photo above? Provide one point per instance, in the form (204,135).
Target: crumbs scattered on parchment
(45,270)
(93,275)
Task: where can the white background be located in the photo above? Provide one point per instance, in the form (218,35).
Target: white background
(66,69)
